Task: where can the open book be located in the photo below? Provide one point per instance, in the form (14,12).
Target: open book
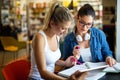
(87,66)
(113,69)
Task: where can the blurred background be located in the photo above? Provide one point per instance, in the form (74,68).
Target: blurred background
(21,19)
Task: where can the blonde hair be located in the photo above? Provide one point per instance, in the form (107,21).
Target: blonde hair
(58,14)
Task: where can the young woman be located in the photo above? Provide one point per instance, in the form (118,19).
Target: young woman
(45,49)
(92,41)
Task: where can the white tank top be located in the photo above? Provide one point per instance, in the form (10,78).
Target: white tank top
(51,58)
(86,54)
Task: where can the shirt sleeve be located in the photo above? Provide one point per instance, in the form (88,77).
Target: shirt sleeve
(105,47)
(66,48)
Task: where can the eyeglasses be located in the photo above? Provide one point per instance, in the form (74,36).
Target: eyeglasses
(82,23)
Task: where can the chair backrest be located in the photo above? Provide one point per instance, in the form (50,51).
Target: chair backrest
(17,70)
(10,41)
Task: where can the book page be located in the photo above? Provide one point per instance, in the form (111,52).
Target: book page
(92,75)
(96,65)
(117,66)
(69,71)
(114,69)
(110,69)
(87,66)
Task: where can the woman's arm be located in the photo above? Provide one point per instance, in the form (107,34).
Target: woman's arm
(38,46)
(66,63)
(104,45)
(107,53)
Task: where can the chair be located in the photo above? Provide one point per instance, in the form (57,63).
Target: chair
(11,45)
(17,70)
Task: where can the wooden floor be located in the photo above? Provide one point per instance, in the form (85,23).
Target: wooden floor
(9,58)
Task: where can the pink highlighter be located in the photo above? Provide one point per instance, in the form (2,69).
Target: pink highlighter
(77,47)
(74,59)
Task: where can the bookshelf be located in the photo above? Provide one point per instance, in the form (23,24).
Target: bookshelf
(36,15)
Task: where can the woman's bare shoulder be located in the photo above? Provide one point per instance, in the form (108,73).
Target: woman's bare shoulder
(38,38)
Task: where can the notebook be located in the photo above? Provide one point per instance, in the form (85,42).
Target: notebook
(87,66)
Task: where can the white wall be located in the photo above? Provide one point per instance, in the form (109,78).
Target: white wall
(118,32)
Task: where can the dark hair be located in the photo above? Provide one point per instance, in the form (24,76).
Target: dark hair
(86,9)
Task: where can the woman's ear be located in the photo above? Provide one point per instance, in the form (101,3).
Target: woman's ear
(92,24)
(51,23)
(77,17)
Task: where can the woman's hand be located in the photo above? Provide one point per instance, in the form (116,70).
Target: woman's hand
(76,51)
(110,61)
(68,62)
(78,76)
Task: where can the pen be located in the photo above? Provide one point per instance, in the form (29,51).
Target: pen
(75,59)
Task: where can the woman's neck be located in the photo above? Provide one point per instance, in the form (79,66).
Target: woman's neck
(49,33)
